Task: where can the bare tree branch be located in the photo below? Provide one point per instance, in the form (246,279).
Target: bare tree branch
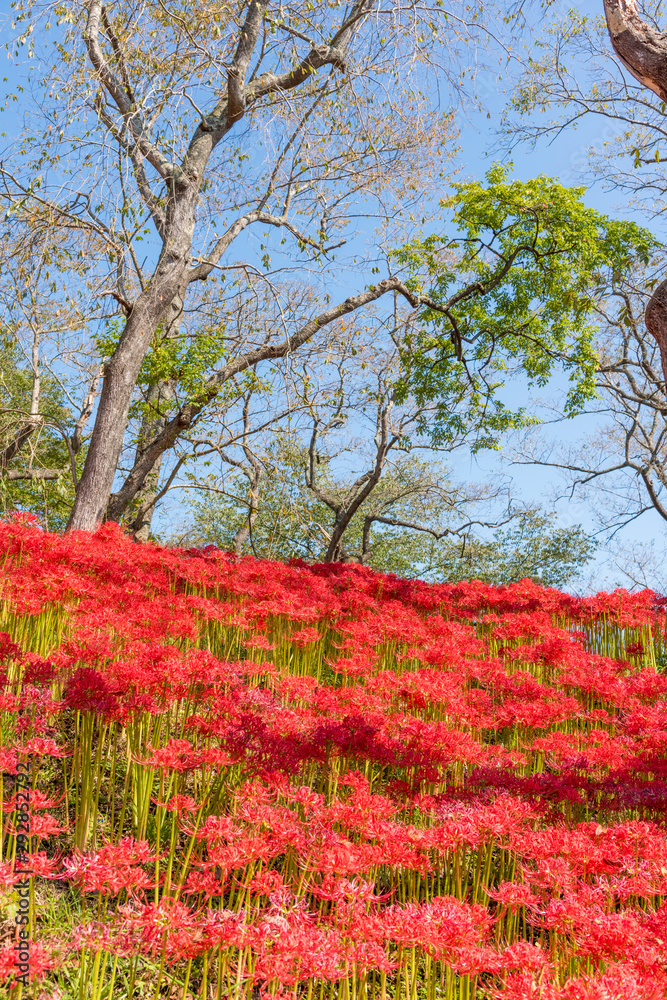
(117,92)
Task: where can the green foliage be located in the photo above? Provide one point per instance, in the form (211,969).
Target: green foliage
(532,548)
(50,499)
(184,359)
(292,522)
(515,292)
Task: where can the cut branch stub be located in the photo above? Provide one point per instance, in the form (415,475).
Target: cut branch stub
(656,322)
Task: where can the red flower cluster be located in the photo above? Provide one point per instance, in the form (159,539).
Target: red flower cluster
(295,778)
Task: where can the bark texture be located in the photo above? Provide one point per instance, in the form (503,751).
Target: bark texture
(159,398)
(656,322)
(643,51)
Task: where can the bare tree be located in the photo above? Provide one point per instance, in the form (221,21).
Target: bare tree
(162,117)
(363,493)
(623,465)
(247,463)
(37,411)
(344,458)
(182,419)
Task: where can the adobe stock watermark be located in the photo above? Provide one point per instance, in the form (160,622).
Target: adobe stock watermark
(22,868)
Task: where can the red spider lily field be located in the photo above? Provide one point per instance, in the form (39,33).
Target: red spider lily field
(228,778)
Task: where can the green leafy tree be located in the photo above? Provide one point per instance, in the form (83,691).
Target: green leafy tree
(35,460)
(290,522)
(293,523)
(532,547)
(513,295)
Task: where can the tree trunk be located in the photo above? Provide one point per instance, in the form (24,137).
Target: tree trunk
(364,485)
(159,398)
(643,51)
(656,322)
(167,285)
(245,531)
(35,420)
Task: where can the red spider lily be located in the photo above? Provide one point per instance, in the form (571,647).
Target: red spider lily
(360,665)
(89,691)
(92,874)
(39,670)
(8,760)
(618,982)
(41,961)
(112,868)
(9,650)
(180,804)
(42,747)
(170,927)
(261,642)
(527,986)
(266,884)
(178,755)
(40,864)
(206,884)
(8,875)
(37,801)
(287,951)
(127,851)
(446,928)
(336,889)
(512,895)
(46,826)
(305,636)
(527,956)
